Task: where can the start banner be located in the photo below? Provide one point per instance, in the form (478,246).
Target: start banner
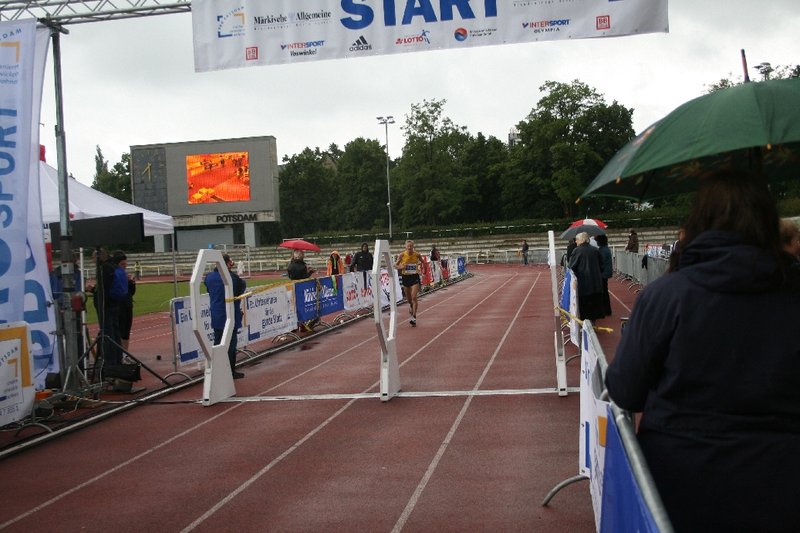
(245,33)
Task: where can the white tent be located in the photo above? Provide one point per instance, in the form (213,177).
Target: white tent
(85,202)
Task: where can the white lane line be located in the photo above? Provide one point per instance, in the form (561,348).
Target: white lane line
(401,394)
(219,505)
(412,502)
(197,426)
(628,309)
(113,469)
(224,501)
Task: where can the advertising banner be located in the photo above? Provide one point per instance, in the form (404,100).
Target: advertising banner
(267,314)
(39,314)
(17,56)
(188,348)
(318,297)
(245,33)
(25,292)
(569,302)
(16,380)
(593,418)
(624,506)
(357,290)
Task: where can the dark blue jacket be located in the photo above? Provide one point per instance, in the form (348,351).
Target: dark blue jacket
(119,286)
(216,293)
(711,355)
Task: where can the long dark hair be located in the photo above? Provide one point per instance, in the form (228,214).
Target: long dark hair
(739,202)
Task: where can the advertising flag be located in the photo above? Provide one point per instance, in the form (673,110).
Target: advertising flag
(17,50)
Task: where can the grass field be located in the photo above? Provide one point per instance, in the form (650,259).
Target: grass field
(152,297)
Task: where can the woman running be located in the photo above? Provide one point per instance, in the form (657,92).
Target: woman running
(410,265)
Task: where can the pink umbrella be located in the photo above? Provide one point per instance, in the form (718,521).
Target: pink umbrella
(299,244)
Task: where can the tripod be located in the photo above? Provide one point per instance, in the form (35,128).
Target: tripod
(102,340)
(107,314)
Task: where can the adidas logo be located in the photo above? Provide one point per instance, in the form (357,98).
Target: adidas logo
(360,45)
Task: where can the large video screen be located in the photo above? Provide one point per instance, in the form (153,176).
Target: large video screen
(218,177)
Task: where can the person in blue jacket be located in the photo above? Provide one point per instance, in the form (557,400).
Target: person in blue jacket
(218,307)
(118,300)
(711,358)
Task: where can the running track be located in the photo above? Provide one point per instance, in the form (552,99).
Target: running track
(474,442)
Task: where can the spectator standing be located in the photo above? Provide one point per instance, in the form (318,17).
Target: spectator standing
(435,256)
(108,333)
(297,268)
(122,290)
(219,313)
(790,238)
(585,263)
(335,264)
(571,248)
(718,383)
(675,252)
(633,242)
(362,261)
(606,270)
(524,252)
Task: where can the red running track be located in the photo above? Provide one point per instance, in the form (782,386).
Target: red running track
(474,442)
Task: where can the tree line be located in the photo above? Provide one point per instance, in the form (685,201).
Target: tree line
(445,175)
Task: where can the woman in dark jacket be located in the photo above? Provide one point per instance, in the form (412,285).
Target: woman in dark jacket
(709,357)
(297,268)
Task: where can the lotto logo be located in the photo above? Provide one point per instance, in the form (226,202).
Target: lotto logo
(603,22)
(251,53)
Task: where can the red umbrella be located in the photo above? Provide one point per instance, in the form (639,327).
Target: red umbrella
(589,222)
(300,244)
(592,226)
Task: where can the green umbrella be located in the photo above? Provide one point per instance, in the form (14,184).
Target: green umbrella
(753,126)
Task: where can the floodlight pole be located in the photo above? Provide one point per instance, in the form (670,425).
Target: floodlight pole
(744,67)
(389,119)
(71,377)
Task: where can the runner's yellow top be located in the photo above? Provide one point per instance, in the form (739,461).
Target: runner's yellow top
(409,263)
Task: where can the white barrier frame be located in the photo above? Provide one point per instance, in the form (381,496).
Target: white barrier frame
(558,339)
(218,379)
(390,369)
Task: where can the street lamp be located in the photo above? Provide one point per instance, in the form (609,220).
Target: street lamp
(389,119)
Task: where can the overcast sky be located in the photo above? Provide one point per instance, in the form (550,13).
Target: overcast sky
(131,82)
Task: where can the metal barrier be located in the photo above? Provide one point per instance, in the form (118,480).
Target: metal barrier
(631,267)
(594,449)
(536,256)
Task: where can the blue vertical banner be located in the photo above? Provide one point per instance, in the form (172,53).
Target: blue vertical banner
(624,507)
(39,313)
(17,67)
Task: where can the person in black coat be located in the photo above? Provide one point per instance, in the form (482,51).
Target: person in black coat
(606,270)
(362,261)
(585,263)
(297,268)
(709,356)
